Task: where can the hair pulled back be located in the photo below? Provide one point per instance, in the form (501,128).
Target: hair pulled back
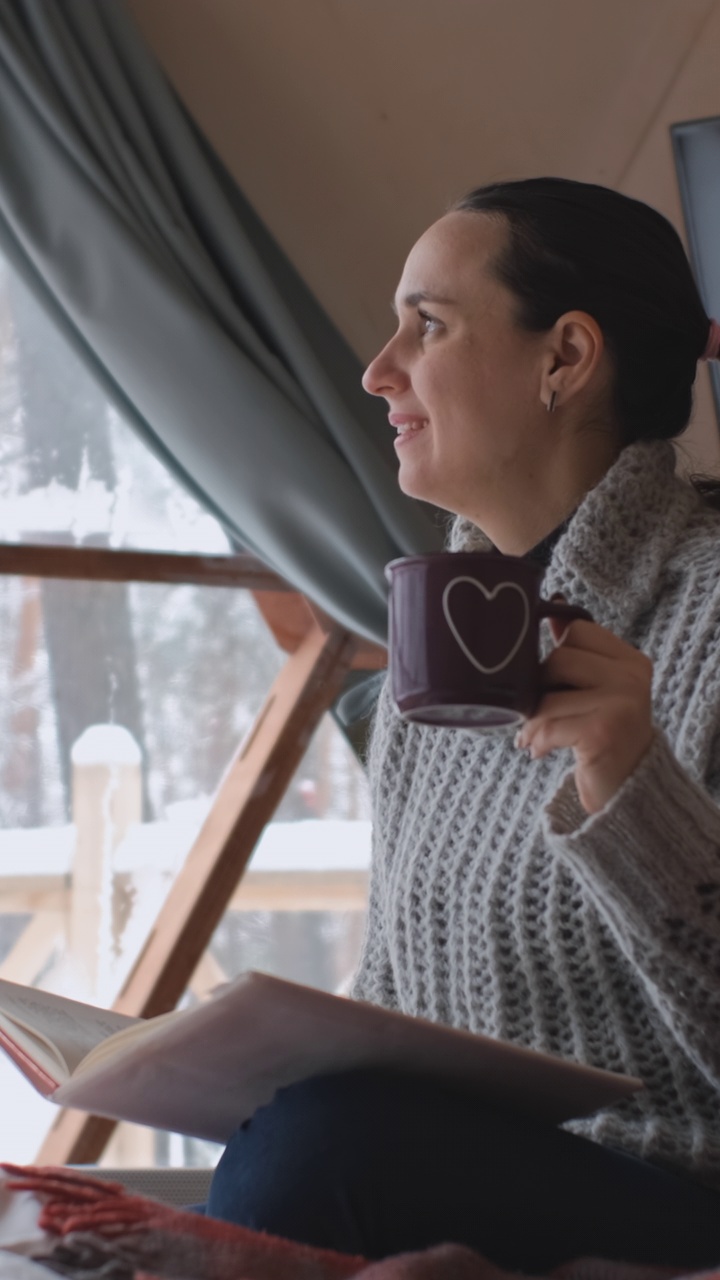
(578,246)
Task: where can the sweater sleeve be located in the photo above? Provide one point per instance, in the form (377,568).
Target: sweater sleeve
(651,860)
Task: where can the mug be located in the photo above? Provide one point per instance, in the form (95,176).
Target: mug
(464,637)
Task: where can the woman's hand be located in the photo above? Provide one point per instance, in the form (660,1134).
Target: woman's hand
(605,715)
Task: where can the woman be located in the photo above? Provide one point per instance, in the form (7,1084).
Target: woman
(561,891)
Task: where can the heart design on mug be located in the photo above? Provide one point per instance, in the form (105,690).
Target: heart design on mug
(489,597)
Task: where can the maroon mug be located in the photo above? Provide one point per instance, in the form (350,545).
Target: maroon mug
(464,637)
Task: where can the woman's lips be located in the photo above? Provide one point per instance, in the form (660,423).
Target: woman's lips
(407,426)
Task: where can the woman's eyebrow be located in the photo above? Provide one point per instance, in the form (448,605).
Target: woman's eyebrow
(422,295)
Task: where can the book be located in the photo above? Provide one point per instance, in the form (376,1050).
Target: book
(205,1070)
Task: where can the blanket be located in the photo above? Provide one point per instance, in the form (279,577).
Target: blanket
(94,1230)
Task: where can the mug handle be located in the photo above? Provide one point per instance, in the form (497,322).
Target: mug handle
(570,612)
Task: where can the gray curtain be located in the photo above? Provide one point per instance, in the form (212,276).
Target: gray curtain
(132,235)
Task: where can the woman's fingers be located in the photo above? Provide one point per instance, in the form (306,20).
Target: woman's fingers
(587,721)
(598,703)
(564,704)
(595,668)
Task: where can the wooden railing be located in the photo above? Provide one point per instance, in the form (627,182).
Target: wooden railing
(320,654)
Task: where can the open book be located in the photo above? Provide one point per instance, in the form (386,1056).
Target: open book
(203,1071)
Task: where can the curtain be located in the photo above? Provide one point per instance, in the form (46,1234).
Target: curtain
(136,240)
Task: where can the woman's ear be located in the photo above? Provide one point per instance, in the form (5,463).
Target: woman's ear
(575,349)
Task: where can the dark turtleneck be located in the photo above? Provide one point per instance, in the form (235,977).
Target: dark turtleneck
(542,553)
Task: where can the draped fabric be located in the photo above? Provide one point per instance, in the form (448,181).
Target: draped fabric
(137,241)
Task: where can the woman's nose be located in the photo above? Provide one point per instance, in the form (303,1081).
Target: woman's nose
(383,375)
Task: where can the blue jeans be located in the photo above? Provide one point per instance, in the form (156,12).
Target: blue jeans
(371,1163)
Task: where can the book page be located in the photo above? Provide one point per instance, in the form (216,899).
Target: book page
(57,1032)
(127,1035)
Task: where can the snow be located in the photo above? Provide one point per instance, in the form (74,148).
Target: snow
(35,851)
(26,1117)
(120,514)
(51,507)
(321,844)
(106,744)
(314,844)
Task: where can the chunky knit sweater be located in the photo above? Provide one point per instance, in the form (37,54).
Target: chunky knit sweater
(497,904)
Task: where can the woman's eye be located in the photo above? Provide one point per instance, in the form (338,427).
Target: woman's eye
(428,323)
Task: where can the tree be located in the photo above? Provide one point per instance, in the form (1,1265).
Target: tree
(87,626)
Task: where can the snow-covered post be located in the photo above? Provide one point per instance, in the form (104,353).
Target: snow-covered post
(107,798)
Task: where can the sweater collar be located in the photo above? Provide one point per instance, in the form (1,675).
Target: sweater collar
(611,556)
(614,552)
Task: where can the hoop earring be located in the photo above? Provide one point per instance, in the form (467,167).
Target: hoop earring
(551,403)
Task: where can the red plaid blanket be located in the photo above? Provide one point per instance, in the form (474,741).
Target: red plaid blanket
(97,1231)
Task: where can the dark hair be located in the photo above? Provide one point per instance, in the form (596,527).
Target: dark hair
(578,246)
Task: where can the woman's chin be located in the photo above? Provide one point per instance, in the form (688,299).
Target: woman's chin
(414,485)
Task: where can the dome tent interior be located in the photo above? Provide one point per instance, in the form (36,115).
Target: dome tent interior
(349,126)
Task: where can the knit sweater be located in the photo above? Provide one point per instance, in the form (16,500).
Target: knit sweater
(498,905)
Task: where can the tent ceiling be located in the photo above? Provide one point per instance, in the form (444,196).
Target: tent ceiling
(351,124)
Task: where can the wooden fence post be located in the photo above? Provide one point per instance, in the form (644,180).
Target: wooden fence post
(106,798)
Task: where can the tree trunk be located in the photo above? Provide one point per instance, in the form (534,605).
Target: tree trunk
(87,626)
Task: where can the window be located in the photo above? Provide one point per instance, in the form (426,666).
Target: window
(696,144)
(160,684)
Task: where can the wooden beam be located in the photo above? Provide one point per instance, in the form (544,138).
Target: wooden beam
(290,617)
(369,656)
(301,891)
(90,564)
(248,796)
(32,949)
(286,611)
(21,895)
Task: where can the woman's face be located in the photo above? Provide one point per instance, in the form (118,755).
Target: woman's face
(461,379)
